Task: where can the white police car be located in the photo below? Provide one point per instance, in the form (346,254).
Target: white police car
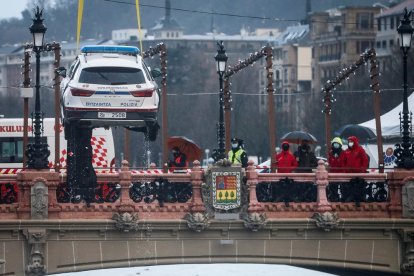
(110,86)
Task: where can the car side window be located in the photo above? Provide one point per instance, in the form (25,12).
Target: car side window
(147,73)
(73,68)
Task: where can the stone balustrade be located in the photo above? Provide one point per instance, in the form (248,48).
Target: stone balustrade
(32,183)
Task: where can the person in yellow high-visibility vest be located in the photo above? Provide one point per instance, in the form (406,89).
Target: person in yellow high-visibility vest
(237,154)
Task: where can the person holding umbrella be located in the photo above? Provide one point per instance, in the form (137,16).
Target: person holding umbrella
(184,151)
(180,159)
(305,157)
(237,154)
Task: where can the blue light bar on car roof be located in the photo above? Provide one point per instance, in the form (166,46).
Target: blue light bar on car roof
(110,49)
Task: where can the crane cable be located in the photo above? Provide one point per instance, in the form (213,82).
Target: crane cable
(79,23)
(139,26)
(78,29)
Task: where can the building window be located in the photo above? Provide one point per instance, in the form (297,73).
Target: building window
(344,47)
(279,100)
(364,21)
(378,44)
(379,24)
(285,96)
(285,75)
(277,78)
(384,44)
(391,43)
(363,46)
(392,23)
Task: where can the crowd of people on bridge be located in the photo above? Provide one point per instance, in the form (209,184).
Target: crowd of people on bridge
(351,160)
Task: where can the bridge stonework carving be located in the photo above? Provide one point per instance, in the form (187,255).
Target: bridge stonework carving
(167,218)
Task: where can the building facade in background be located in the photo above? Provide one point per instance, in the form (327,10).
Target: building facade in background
(338,37)
(305,55)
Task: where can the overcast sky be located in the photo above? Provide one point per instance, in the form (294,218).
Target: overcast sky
(12,8)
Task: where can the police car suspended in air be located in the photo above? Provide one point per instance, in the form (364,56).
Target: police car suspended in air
(110,85)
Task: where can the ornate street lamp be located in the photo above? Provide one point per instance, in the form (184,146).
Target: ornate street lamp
(405,151)
(221,60)
(37,152)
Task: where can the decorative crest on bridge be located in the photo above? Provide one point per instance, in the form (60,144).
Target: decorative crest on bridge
(254,221)
(197,221)
(226,189)
(326,221)
(126,222)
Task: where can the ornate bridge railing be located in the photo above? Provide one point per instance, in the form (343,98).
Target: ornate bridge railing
(9,193)
(361,195)
(174,195)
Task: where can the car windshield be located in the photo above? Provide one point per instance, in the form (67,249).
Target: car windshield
(112,75)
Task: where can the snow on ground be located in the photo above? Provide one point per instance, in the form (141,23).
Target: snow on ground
(202,270)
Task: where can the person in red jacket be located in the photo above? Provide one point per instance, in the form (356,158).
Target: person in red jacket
(180,159)
(286,161)
(336,156)
(356,159)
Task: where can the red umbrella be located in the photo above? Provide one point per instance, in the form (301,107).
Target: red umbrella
(186,146)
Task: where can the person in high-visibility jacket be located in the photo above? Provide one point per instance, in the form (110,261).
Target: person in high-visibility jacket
(237,154)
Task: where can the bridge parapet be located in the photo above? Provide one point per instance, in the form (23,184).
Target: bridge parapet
(173,195)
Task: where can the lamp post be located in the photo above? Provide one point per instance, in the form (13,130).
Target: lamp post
(221,62)
(405,152)
(37,152)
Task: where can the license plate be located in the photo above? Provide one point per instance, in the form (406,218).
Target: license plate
(112,115)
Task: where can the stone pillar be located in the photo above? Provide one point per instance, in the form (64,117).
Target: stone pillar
(197,204)
(395,185)
(323,205)
(252,181)
(126,203)
(37,199)
(408,197)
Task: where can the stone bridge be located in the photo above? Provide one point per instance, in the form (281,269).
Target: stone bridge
(325,221)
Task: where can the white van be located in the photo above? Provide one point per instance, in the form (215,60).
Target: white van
(11,145)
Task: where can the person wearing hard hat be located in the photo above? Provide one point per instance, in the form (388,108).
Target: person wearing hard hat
(237,154)
(336,158)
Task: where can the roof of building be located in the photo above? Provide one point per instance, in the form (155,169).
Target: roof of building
(292,34)
(18,49)
(9,49)
(397,9)
(167,22)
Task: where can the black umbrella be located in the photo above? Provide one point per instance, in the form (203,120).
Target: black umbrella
(361,132)
(297,136)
